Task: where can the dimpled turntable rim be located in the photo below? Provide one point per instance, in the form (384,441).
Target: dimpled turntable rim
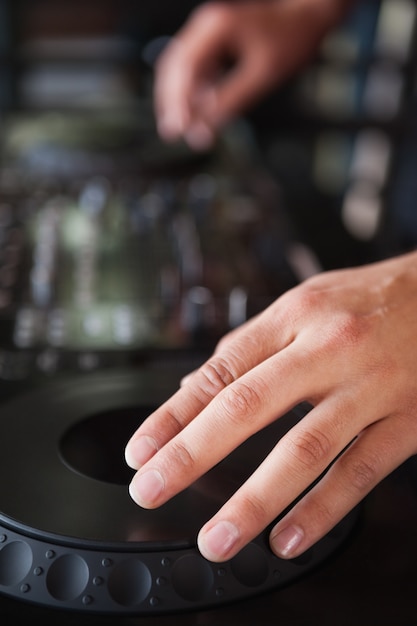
(71,537)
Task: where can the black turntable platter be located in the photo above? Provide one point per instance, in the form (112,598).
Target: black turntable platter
(70,535)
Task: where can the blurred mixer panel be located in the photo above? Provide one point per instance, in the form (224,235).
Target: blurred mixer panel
(112,242)
(114,246)
(341,127)
(61,53)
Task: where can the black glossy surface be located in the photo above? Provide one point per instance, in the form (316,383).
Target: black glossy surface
(67,492)
(370,581)
(72,539)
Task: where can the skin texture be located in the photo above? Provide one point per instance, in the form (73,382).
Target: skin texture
(343,341)
(228,55)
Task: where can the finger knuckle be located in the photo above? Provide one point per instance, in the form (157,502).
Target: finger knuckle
(345,331)
(349,329)
(215,375)
(173,423)
(256,510)
(183,457)
(306,296)
(345,328)
(311,448)
(324,514)
(319,512)
(360,472)
(241,402)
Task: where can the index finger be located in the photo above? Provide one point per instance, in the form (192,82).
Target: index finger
(235,355)
(241,409)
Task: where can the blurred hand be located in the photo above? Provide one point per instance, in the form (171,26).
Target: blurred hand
(345,341)
(228,55)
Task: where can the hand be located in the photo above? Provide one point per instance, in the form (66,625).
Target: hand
(228,55)
(345,341)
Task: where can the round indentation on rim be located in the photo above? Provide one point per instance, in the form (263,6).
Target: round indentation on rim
(250,566)
(192,577)
(67,577)
(130,582)
(16,560)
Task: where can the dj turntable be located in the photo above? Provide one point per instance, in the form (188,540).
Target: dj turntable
(122,262)
(73,539)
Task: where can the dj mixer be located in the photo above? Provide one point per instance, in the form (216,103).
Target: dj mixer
(114,245)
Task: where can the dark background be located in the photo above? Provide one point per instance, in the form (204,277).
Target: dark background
(362,79)
(338,138)
(360,88)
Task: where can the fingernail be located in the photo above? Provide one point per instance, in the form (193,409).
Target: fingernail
(169,127)
(217,542)
(199,136)
(286,542)
(140,450)
(146,488)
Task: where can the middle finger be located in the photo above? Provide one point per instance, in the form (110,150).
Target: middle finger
(240,410)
